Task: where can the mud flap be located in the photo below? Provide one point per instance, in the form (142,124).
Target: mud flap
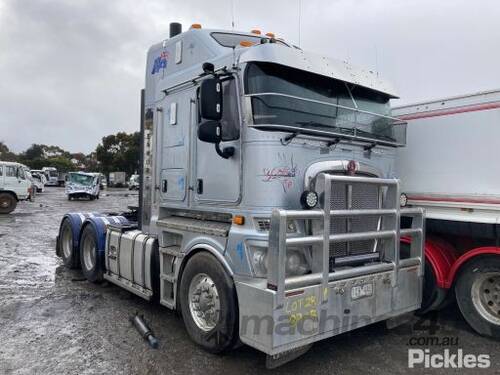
(273,361)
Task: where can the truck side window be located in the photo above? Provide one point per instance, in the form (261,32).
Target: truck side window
(10,171)
(230,121)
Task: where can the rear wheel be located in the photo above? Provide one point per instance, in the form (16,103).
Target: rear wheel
(208,304)
(478,294)
(91,259)
(67,250)
(8,203)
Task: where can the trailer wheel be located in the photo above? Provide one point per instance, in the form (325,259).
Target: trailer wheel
(478,295)
(8,203)
(91,259)
(208,304)
(68,253)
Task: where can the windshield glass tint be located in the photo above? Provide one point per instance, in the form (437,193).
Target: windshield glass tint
(80,179)
(295,98)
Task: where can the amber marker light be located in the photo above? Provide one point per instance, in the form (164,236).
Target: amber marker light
(239,220)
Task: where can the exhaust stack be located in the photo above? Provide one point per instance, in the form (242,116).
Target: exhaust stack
(175,29)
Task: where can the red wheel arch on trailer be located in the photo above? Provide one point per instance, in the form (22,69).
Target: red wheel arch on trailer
(488,250)
(441,256)
(444,260)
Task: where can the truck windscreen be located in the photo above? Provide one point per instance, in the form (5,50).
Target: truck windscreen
(297,100)
(81,179)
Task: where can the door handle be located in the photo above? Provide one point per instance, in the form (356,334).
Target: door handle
(199,187)
(164,186)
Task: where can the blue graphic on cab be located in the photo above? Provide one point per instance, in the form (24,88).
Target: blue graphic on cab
(160,63)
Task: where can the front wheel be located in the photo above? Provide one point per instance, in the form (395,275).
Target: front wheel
(208,304)
(478,295)
(8,203)
(91,259)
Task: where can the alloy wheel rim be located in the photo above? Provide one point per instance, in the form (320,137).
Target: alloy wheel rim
(204,303)
(67,242)
(89,249)
(486,296)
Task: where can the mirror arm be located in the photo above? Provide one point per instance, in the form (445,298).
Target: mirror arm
(226,152)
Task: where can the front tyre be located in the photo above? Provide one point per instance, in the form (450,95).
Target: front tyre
(92,261)
(8,203)
(209,304)
(478,295)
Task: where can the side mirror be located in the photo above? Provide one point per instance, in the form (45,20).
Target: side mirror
(211,99)
(210,132)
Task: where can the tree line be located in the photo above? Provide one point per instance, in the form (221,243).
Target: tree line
(116,152)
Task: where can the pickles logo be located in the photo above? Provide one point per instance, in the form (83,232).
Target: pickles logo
(160,63)
(446,359)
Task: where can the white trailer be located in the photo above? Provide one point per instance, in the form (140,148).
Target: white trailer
(450,167)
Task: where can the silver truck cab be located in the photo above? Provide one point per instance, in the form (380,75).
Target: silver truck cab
(239,130)
(269,211)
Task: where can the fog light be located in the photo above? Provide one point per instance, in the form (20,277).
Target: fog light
(309,199)
(296,264)
(403,200)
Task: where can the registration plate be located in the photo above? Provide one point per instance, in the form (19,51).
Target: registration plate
(360,291)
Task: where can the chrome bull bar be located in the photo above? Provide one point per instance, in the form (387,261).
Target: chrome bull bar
(389,231)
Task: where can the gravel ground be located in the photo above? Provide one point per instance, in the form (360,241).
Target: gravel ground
(53,321)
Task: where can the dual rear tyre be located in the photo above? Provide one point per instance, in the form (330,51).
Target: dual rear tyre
(85,255)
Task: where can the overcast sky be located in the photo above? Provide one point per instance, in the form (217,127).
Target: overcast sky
(71,70)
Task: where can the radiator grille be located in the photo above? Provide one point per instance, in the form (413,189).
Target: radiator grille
(355,196)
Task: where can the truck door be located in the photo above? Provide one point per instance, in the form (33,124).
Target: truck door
(218,179)
(174,147)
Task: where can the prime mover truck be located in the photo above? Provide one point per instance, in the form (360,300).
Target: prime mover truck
(450,169)
(268,212)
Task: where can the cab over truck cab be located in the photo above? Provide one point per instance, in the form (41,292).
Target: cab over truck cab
(14,186)
(268,208)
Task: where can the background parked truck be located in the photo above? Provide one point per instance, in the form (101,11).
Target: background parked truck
(14,186)
(117,179)
(451,168)
(267,214)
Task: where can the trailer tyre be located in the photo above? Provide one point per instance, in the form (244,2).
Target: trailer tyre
(68,252)
(478,295)
(91,260)
(208,303)
(8,203)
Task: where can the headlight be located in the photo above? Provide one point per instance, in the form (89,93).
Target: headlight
(309,199)
(295,262)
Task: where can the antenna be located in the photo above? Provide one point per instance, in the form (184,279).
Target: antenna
(232,14)
(300,11)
